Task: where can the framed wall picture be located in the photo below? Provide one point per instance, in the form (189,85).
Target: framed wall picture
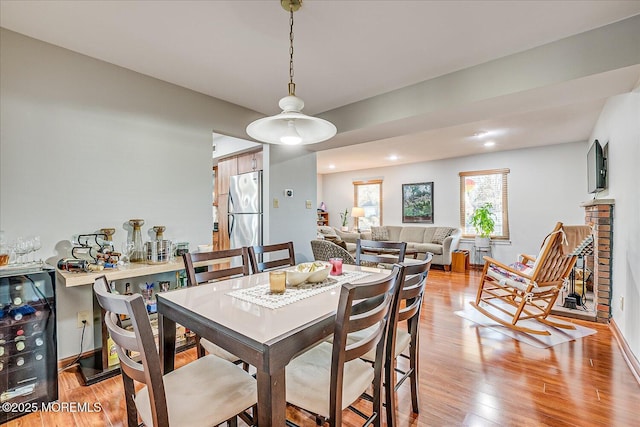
(417,202)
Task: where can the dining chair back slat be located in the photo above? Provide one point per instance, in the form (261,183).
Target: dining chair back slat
(216,262)
(125,344)
(257,255)
(373,252)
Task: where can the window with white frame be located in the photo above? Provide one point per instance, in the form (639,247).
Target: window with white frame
(478,188)
(368,195)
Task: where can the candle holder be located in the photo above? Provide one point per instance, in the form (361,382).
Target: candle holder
(159,230)
(108,232)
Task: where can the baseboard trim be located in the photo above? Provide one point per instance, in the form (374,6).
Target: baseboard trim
(628,355)
(65,362)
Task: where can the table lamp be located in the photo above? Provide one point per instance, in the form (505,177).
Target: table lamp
(357,213)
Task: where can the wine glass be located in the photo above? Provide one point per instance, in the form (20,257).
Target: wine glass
(37,244)
(29,244)
(127,251)
(21,249)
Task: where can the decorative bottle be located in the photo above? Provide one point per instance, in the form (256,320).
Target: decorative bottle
(138,245)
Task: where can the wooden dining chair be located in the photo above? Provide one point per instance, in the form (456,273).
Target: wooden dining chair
(407,314)
(404,329)
(206,392)
(220,265)
(257,255)
(373,253)
(330,377)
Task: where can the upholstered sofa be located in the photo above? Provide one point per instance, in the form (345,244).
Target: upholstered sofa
(440,241)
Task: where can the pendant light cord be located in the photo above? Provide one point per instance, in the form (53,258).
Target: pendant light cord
(292,85)
(283,128)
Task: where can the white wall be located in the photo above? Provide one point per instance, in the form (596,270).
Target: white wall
(85,145)
(292,168)
(546,185)
(619,127)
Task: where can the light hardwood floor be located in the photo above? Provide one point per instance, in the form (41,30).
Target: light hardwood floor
(468,378)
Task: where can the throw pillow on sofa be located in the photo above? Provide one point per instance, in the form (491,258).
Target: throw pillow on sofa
(440,234)
(379,233)
(325,230)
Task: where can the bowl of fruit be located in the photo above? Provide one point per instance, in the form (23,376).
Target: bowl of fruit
(310,272)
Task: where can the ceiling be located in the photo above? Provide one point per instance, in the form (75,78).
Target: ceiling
(347,52)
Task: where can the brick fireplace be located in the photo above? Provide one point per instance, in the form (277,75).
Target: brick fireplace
(599,213)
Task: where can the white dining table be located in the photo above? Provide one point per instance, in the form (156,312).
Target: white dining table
(266,338)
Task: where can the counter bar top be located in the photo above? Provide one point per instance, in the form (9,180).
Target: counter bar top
(70,279)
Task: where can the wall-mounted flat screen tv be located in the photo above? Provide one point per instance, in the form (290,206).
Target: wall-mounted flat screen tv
(596,168)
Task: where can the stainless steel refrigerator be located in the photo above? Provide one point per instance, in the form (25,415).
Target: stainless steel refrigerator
(245,210)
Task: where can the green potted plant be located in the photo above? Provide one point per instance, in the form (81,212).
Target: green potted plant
(483,221)
(344,216)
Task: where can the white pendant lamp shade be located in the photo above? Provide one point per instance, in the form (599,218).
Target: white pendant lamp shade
(291,127)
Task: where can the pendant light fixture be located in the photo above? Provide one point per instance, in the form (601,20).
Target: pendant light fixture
(291,126)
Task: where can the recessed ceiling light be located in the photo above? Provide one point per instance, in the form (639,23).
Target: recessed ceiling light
(393,157)
(489,144)
(332,166)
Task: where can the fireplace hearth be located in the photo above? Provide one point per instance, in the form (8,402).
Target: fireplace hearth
(599,215)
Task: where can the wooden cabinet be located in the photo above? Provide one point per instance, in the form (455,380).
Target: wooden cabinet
(226,169)
(323,218)
(216,240)
(250,162)
(223,222)
(215,186)
(243,163)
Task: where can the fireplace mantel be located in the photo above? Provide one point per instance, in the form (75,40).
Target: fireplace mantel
(596,202)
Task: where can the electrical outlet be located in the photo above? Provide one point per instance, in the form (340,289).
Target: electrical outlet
(84,315)
(308,204)
(276,203)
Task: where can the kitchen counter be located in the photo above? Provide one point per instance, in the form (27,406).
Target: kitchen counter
(70,279)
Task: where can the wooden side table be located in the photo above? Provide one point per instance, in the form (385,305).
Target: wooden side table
(460,261)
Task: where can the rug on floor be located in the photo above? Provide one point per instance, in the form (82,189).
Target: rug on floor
(558,335)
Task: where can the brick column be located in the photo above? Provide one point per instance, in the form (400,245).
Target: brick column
(599,213)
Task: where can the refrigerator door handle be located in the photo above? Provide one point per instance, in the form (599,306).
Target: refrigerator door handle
(230,224)
(230,207)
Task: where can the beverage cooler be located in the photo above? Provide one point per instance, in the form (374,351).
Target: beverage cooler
(28,356)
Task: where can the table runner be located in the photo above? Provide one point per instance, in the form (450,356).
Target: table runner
(261,295)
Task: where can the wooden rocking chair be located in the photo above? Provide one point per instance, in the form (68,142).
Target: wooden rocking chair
(528,289)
